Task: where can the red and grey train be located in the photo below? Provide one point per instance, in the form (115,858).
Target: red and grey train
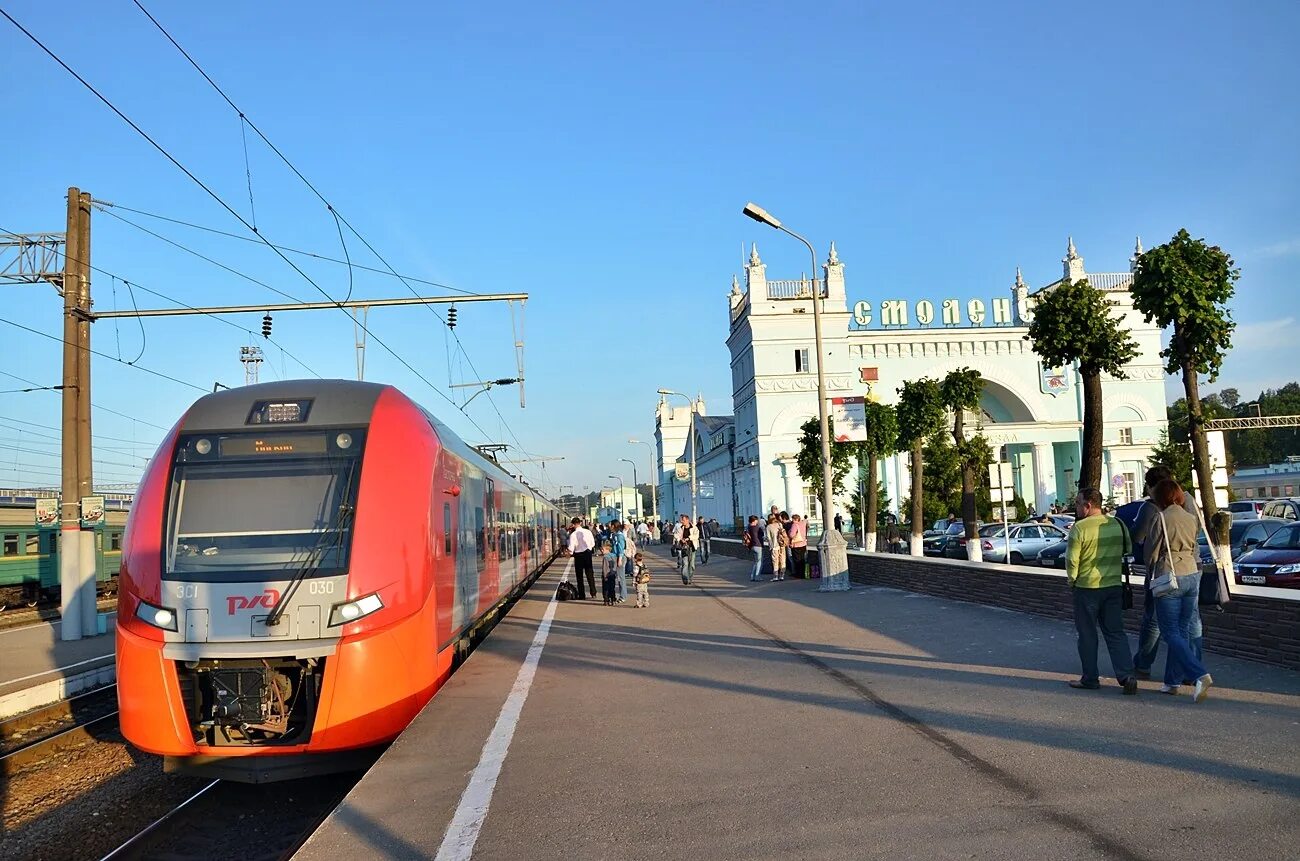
(301,569)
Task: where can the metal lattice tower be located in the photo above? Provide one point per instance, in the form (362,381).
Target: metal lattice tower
(31,258)
(252,358)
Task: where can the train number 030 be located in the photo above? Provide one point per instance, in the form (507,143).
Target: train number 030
(320,587)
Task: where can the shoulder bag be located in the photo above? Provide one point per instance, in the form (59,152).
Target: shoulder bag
(1126,569)
(1165,583)
(1217,594)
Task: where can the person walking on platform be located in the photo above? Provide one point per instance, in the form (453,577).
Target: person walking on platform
(1094,566)
(776,542)
(581,545)
(618,541)
(686,547)
(629,557)
(641,578)
(754,541)
(706,540)
(1172,551)
(788,525)
(798,547)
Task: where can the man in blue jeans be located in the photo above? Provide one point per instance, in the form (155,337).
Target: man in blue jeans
(754,540)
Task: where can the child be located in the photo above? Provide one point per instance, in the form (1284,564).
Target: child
(610,572)
(641,577)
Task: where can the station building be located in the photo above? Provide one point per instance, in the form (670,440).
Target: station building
(1030,414)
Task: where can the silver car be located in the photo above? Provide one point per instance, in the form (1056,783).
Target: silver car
(1027,539)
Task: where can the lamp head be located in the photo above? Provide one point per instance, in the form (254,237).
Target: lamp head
(758,213)
(666,392)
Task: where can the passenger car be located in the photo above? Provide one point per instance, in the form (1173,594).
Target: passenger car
(1276,562)
(955,548)
(1286,509)
(1054,556)
(1245,509)
(1245,535)
(1026,540)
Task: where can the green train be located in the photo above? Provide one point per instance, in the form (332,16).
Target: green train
(29,557)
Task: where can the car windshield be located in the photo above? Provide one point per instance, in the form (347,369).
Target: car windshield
(956,529)
(1234,536)
(1286,538)
(993,529)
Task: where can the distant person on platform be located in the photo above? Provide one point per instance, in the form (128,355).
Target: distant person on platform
(777,541)
(581,545)
(798,546)
(609,573)
(1094,566)
(839,522)
(753,539)
(706,540)
(641,578)
(685,540)
(618,540)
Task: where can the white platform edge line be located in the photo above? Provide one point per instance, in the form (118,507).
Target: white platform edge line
(466,824)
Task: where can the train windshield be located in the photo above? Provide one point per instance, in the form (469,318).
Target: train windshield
(230,518)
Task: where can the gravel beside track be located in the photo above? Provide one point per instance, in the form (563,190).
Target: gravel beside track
(15,616)
(81,803)
(265,822)
(32,727)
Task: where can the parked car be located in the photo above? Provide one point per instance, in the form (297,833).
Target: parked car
(1026,541)
(1276,562)
(1286,509)
(1054,556)
(934,543)
(1245,509)
(955,548)
(1061,521)
(1244,536)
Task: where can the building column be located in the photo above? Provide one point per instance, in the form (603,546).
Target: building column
(789,470)
(1044,477)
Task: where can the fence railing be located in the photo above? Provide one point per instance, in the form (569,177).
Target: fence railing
(796,289)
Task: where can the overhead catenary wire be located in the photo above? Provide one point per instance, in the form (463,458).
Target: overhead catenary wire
(93,406)
(146,443)
(130,285)
(328,205)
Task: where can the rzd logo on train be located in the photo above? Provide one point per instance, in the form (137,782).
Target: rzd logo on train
(267,599)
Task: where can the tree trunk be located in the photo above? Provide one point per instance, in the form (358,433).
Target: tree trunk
(918,508)
(869,516)
(968,515)
(1093,425)
(1196,430)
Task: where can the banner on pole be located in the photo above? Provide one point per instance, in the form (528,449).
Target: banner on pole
(92,511)
(1000,476)
(850,418)
(47,513)
(683,471)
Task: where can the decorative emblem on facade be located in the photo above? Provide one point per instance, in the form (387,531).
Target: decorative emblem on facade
(1053,381)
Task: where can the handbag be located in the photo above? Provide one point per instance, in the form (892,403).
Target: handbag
(1166,583)
(1214,584)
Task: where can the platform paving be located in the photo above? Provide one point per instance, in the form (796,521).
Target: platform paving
(37,667)
(739,720)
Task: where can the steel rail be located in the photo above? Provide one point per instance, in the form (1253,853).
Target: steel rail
(17,760)
(123,850)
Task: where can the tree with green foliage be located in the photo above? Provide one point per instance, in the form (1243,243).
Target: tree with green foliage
(960,392)
(881,441)
(920,414)
(809,461)
(1186,284)
(1174,456)
(1073,325)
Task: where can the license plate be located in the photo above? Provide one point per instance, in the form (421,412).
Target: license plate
(1254,579)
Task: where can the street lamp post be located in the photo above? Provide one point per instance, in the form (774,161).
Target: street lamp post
(833,550)
(654,486)
(621,499)
(635,492)
(695,515)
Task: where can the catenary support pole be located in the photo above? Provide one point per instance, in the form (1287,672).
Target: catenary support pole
(69,553)
(85,472)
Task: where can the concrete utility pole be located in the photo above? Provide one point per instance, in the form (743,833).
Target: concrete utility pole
(654,485)
(76,546)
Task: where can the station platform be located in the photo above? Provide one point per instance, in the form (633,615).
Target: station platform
(770,720)
(38,668)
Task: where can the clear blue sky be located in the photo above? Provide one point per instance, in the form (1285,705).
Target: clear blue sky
(596,156)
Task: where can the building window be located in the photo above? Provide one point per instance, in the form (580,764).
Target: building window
(1250,493)
(801,361)
(1130,485)
(1273,491)
(1126,436)
(11,545)
(1263,492)
(1289,490)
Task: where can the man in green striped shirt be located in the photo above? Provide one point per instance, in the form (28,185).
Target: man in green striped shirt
(1094,559)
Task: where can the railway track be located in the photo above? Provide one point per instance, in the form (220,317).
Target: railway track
(33,736)
(271,821)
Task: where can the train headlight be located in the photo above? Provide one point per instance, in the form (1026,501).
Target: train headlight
(343,440)
(159,617)
(350,611)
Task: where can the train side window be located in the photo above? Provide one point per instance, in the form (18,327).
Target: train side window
(99,541)
(33,545)
(115,541)
(446,528)
(11,545)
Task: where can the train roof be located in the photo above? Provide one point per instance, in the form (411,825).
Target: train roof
(334,403)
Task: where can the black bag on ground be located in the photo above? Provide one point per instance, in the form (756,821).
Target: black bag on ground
(566,591)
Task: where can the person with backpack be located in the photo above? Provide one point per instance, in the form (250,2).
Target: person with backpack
(798,546)
(685,543)
(618,541)
(611,568)
(753,539)
(641,577)
(581,545)
(777,541)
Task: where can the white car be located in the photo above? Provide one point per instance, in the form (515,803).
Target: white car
(1027,539)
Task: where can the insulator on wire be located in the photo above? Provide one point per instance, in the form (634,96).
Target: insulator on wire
(451,317)
(266,326)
